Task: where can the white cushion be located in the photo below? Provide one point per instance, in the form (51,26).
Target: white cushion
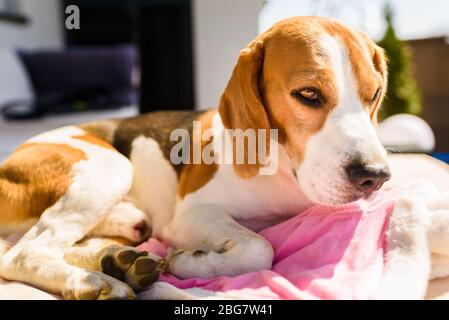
(15,84)
(406,133)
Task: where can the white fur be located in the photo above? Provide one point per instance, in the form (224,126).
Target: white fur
(438,235)
(121,221)
(154,183)
(417,242)
(407,268)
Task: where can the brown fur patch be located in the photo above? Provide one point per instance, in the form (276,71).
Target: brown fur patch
(94,140)
(241,105)
(194,176)
(103,129)
(155,125)
(295,60)
(33,178)
(158,126)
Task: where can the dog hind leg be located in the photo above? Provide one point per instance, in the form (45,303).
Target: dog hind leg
(98,184)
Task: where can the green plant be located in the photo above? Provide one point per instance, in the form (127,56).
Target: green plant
(402,95)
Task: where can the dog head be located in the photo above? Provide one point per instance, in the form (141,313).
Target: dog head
(320,84)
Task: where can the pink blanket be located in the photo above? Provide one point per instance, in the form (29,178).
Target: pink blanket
(323,253)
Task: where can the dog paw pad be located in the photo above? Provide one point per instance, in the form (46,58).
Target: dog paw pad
(137,268)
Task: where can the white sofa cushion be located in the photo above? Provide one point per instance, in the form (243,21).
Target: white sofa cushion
(406,133)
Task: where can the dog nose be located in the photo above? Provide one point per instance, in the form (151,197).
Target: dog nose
(142,228)
(366,178)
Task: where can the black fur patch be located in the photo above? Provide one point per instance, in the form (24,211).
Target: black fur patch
(155,125)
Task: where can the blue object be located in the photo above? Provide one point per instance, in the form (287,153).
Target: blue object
(443,156)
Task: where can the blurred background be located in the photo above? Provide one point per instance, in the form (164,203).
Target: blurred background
(115,58)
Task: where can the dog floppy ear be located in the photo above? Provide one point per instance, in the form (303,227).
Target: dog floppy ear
(241,106)
(380,64)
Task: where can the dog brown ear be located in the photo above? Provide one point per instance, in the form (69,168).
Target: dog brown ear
(241,106)
(380,64)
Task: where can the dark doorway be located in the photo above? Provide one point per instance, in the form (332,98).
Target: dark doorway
(161,29)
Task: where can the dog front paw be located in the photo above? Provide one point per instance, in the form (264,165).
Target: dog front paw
(227,258)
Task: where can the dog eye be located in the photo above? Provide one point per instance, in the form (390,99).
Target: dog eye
(308,96)
(375,97)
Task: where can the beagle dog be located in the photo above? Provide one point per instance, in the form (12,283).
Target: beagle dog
(84,193)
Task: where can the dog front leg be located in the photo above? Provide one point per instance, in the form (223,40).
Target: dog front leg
(211,243)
